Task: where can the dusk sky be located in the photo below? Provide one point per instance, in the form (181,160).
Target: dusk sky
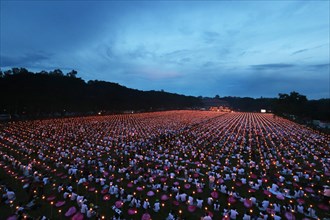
(230,48)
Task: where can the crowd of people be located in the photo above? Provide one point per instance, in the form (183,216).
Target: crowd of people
(165,165)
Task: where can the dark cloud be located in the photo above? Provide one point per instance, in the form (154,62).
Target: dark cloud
(323,66)
(179,57)
(270,85)
(176,53)
(109,53)
(141,53)
(208,64)
(242,53)
(24,60)
(184,60)
(210,37)
(299,51)
(153,45)
(54,26)
(272,66)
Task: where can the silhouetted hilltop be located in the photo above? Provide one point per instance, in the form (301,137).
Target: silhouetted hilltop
(54,93)
(293,104)
(27,93)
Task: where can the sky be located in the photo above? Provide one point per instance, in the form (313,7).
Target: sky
(199,48)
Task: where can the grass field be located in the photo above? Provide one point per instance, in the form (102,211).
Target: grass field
(149,147)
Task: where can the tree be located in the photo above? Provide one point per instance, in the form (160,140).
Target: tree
(291,104)
(17,71)
(7,73)
(24,71)
(56,72)
(72,74)
(43,72)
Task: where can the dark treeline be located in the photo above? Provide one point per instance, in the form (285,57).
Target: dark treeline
(44,93)
(299,106)
(293,104)
(25,93)
(248,104)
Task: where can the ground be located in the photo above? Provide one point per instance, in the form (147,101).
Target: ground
(187,143)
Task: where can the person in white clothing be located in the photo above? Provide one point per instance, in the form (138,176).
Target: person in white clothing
(80,200)
(253,199)
(146,204)
(183,197)
(90,213)
(83,208)
(274,188)
(233,214)
(129,197)
(296,178)
(199,203)
(277,208)
(216,206)
(73,196)
(311,212)
(246,216)
(60,188)
(65,195)
(10,194)
(300,208)
(265,204)
(207,217)
(157,206)
(210,201)
(190,200)
(276,217)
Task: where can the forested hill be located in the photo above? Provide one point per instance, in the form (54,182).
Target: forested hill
(25,92)
(286,104)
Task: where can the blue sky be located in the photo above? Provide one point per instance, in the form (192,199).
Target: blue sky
(230,48)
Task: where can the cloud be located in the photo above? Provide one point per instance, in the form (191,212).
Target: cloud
(254,84)
(24,60)
(208,64)
(300,51)
(176,53)
(323,66)
(272,66)
(159,74)
(177,58)
(140,53)
(210,37)
(225,47)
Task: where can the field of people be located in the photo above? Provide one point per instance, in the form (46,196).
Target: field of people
(164,165)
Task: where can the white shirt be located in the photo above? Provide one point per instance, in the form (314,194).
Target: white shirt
(277,207)
(73,196)
(265,204)
(199,203)
(300,209)
(233,214)
(10,195)
(276,217)
(246,217)
(207,218)
(90,213)
(183,197)
(274,187)
(190,200)
(146,204)
(253,200)
(156,207)
(84,208)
